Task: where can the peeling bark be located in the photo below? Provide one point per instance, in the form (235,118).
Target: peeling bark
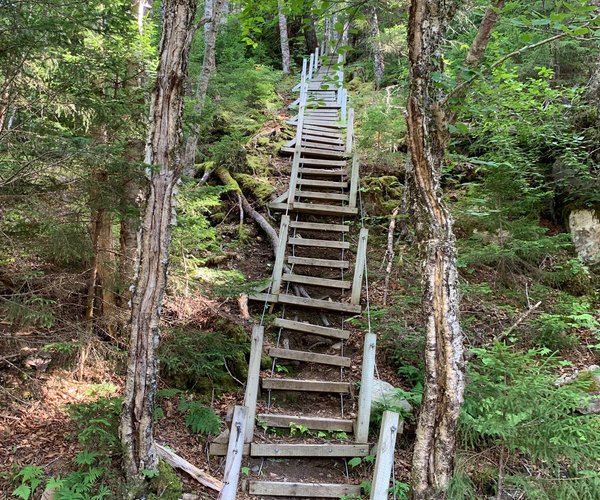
(212,13)
(480,43)
(283,37)
(444,360)
(162,152)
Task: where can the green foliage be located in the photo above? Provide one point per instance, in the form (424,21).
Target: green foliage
(29,310)
(29,477)
(97,424)
(199,418)
(512,401)
(195,359)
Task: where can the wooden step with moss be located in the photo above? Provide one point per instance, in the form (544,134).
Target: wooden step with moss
(323,331)
(304,490)
(312,423)
(309,357)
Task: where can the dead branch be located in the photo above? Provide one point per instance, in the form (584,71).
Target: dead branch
(175,460)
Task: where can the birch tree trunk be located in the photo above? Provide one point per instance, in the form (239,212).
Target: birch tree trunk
(480,43)
(283,36)
(162,152)
(378,61)
(212,13)
(444,361)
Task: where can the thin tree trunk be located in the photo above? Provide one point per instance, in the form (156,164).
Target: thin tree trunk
(162,151)
(131,189)
(212,12)
(480,43)
(433,458)
(378,61)
(283,36)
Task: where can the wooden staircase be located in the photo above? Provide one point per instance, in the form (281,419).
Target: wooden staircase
(325,253)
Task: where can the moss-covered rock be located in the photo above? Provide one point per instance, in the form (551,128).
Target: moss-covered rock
(258,165)
(167,485)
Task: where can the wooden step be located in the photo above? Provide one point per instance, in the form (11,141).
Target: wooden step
(320,138)
(310,242)
(325,163)
(293,300)
(314,208)
(322,184)
(321,145)
(309,357)
(292,384)
(316,152)
(326,131)
(322,171)
(305,490)
(320,195)
(313,423)
(313,281)
(308,450)
(320,226)
(323,331)
(309,261)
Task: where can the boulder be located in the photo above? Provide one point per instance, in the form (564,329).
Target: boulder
(585,232)
(385,393)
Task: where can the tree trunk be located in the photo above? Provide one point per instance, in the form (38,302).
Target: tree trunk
(310,34)
(490,18)
(212,12)
(444,364)
(131,189)
(283,36)
(162,152)
(378,61)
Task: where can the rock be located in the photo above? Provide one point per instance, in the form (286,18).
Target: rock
(385,393)
(594,404)
(585,232)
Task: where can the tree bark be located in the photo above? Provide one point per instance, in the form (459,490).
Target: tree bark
(480,43)
(310,34)
(162,152)
(378,61)
(283,37)
(212,12)
(444,361)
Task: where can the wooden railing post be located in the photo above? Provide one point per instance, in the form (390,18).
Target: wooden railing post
(354,181)
(363,418)
(298,144)
(251,393)
(343,104)
(359,267)
(280,256)
(385,456)
(310,66)
(350,132)
(235,451)
(317,63)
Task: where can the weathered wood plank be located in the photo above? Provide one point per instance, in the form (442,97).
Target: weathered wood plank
(308,261)
(293,300)
(220,449)
(320,195)
(317,152)
(289,384)
(354,181)
(310,242)
(319,226)
(309,357)
(313,423)
(322,172)
(280,254)
(314,281)
(366,389)
(385,455)
(324,209)
(253,379)
(322,145)
(308,450)
(323,331)
(235,450)
(323,184)
(350,131)
(314,490)
(327,163)
(359,267)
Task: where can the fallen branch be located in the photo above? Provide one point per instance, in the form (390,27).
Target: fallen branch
(175,460)
(389,253)
(519,321)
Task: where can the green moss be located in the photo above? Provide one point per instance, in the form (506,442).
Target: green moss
(259,165)
(260,188)
(167,485)
(381,194)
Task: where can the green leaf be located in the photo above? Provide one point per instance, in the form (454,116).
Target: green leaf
(22,491)
(354,462)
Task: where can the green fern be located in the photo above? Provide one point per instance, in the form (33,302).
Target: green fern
(199,418)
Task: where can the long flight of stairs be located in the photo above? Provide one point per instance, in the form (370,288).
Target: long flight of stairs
(317,282)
